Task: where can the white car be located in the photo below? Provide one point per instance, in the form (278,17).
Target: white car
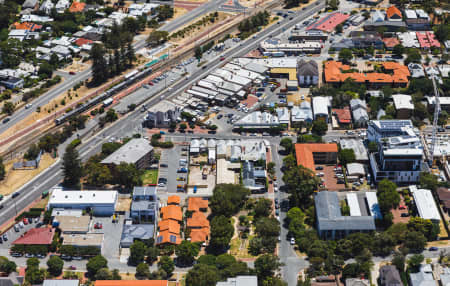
(275,189)
(292,241)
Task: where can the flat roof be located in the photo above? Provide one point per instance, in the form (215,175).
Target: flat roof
(86,239)
(224,175)
(73,223)
(403,101)
(61,282)
(329,22)
(374,207)
(131,152)
(59,196)
(131,283)
(352,201)
(425,203)
(320,105)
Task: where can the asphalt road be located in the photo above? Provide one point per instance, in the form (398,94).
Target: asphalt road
(72,80)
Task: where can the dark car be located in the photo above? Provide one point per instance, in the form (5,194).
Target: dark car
(16,194)
(404,215)
(319,168)
(441,129)
(163,165)
(433,248)
(219,116)
(6,119)
(39,224)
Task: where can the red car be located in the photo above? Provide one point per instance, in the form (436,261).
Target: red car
(71,72)
(25,221)
(71,267)
(98,225)
(222,58)
(401,207)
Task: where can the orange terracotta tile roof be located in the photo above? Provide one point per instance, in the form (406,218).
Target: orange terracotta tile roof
(198,220)
(170,225)
(131,283)
(391,11)
(343,115)
(168,237)
(391,42)
(82,41)
(173,200)
(199,235)
(304,152)
(27,26)
(172,212)
(334,74)
(77,7)
(36,236)
(196,204)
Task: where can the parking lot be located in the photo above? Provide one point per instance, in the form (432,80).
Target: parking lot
(329,178)
(112,234)
(171,159)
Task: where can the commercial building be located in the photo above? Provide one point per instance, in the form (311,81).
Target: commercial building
(12,82)
(137,151)
(72,224)
(132,232)
(291,48)
(403,105)
(227,172)
(283,116)
(365,39)
(239,281)
(425,204)
(311,35)
(162,114)
(329,22)
(423,277)
(144,207)
(358,148)
(307,73)
(393,14)
(309,154)
(331,224)
(321,107)
(102,203)
(36,236)
(84,240)
(62,282)
(396,75)
(378,129)
(301,114)
(417,19)
(257,120)
(131,283)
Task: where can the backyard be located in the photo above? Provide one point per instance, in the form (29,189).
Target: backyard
(150,177)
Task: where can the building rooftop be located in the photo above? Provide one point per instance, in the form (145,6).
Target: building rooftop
(36,236)
(320,105)
(196,204)
(357,146)
(131,283)
(85,239)
(329,22)
(59,196)
(61,282)
(73,223)
(131,152)
(172,212)
(144,191)
(131,232)
(343,115)
(425,203)
(304,152)
(173,200)
(239,281)
(403,101)
(393,11)
(167,237)
(169,225)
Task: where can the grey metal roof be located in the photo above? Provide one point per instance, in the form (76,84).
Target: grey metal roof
(143,206)
(136,231)
(389,275)
(131,152)
(64,282)
(307,68)
(144,191)
(240,281)
(330,218)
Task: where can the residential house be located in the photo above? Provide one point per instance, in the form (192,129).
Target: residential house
(199,227)
(343,116)
(359,112)
(403,105)
(47,6)
(321,107)
(444,198)
(253,178)
(301,114)
(427,40)
(307,73)
(62,5)
(137,151)
(77,7)
(162,115)
(393,14)
(409,39)
(389,276)
(365,39)
(30,4)
(416,70)
(144,207)
(132,232)
(257,120)
(377,16)
(423,277)
(283,115)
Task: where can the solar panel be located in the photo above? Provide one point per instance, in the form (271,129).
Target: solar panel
(173,239)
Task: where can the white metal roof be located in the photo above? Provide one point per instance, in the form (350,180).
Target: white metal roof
(59,196)
(425,203)
(352,201)
(320,105)
(403,101)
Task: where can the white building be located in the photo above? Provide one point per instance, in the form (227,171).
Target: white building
(258,120)
(321,107)
(102,203)
(404,105)
(426,206)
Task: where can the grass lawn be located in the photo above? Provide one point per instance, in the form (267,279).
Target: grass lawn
(150,177)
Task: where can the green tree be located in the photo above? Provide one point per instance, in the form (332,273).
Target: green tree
(221,233)
(142,271)
(428,181)
(227,199)
(2,169)
(99,64)
(425,226)
(45,70)
(388,197)
(414,262)
(398,260)
(152,254)
(413,56)
(128,175)
(319,127)
(157,37)
(286,143)
(263,208)
(166,264)
(415,241)
(346,156)
(301,184)
(398,51)
(266,265)
(8,107)
(198,53)
(186,252)
(55,265)
(137,252)
(345,55)
(202,275)
(95,264)
(72,168)
(103,274)
(339,28)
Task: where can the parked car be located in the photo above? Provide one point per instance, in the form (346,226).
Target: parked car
(433,248)
(71,267)
(25,221)
(29,255)
(292,241)
(404,215)
(98,225)
(5,237)
(16,254)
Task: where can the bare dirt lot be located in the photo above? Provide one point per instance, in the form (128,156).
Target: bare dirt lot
(17,178)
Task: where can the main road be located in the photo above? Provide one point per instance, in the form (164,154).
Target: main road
(72,80)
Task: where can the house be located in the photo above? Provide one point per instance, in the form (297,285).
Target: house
(309,154)
(444,102)
(283,115)
(253,178)
(343,116)
(12,279)
(393,14)
(377,16)
(196,204)
(444,198)
(390,43)
(416,70)
(166,237)
(47,6)
(409,39)
(144,207)
(423,277)
(12,82)
(22,35)
(331,224)
(403,105)
(29,26)
(427,40)
(62,5)
(77,7)
(172,212)
(102,203)
(356,282)
(389,276)
(61,282)
(173,200)
(199,227)
(321,107)
(131,283)
(30,4)
(132,232)
(257,120)
(137,151)
(365,39)
(425,204)
(359,112)
(162,114)
(36,236)
(307,73)
(358,148)
(239,280)
(301,114)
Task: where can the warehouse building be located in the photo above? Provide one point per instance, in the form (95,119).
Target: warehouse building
(137,151)
(425,204)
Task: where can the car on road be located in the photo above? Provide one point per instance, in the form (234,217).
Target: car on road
(277,212)
(16,228)
(433,248)
(5,237)
(292,241)
(441,129)
(40,256)
(21,225)
(182,170)
(6,120)
(77,258)
(14,195)
(222,58)
(72,73)
(25,221)
(66,257)
(163,165)
(319,168)
(28,105)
